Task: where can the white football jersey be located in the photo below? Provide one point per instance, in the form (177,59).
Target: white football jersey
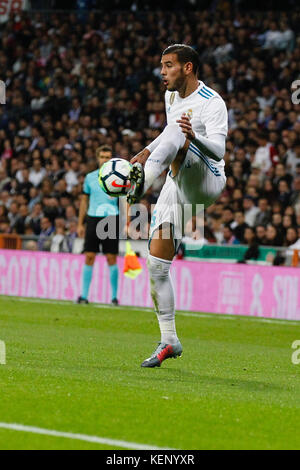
(205,108)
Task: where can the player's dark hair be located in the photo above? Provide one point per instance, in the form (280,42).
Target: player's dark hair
(103,148)
(184,54)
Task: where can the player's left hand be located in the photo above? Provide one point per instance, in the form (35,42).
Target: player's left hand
(186,127)
(141,157)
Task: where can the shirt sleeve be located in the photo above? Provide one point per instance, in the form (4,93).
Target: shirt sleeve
(214,147)
(86,186)
(215,117)
(152,146)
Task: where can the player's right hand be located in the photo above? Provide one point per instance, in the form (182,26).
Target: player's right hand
(186,127)
(141,157)
(80,231)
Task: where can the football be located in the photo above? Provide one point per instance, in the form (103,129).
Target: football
(113,177)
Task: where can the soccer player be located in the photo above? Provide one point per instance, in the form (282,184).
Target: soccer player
(96,204)
(193,146)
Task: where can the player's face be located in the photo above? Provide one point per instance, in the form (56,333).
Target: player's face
(104,157)
(172,72)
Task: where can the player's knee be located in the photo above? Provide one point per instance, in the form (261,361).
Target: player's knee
(90,258)
(158,268)
(162,244)
(111,259)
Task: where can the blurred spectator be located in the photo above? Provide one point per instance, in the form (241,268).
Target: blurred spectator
(7,150)
(13,213)
(51,208)
(5,180)
(239,229)
(265,155)
(31,245)
(273,236)
(71,175)
(250,210)
(260,232)
(284,193)
(293,158)
(58,236)
(228,236)
(62,239)
(291,236)
(34,219)
(263,217)
(268,191)
(252,252)
(281,174)
(24,186)
(295,194)
(216,227)
(20,222)
(70,236)
(36,173)
(47,230)
(4,225)
(3,213)
(228,216)
(277,221)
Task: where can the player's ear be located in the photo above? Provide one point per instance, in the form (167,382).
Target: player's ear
(188,66)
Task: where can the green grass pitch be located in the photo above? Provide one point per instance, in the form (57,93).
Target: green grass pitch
(76,368)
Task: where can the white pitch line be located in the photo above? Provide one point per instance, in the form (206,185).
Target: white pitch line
(199,315)
(239,317)
(80,437)
(279,322)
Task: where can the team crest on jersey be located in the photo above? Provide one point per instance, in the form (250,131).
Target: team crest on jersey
(172,98)
(190,113)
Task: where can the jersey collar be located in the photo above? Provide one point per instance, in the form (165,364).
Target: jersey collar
(192,94)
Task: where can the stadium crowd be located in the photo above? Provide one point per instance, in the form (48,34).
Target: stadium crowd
(78,80)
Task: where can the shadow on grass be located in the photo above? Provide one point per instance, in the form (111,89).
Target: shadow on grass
(182,376)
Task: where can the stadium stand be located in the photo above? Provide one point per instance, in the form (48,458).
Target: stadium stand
(76,80)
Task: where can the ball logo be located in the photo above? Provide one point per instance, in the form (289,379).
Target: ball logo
(116,185)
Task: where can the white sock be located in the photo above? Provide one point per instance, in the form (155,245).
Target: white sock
(162,293)
(171,141)
(167,330)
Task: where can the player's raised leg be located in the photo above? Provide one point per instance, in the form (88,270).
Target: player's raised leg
(162,292)
(171,141)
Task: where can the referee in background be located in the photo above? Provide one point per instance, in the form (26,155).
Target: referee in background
(95,204)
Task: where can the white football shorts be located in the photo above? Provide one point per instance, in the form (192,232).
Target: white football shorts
(199,181)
